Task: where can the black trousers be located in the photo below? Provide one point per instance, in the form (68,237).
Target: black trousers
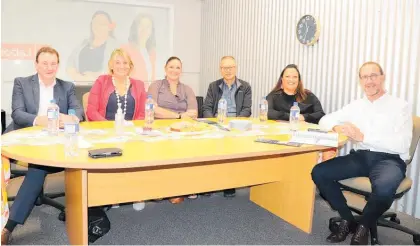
(385,172)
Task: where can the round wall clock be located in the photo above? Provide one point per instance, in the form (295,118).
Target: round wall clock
(307,30)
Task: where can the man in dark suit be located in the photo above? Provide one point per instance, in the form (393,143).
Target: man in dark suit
(30,99)
(237,93)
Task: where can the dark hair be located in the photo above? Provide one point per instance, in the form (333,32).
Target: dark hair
(173,58)
(301,93)
(100,12)
(47,49)
(133,36)
(372,63)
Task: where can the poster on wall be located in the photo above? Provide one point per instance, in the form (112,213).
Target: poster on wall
(85,32)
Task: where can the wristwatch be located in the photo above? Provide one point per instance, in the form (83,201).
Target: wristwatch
(179,116)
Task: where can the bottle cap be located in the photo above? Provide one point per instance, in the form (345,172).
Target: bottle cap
(52,101)
(295,104)
(119,110)
(149,96)
(71,112)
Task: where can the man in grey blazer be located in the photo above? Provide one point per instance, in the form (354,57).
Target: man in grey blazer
(237,93)
(30,99)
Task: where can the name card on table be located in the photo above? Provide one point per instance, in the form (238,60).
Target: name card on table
(329,139)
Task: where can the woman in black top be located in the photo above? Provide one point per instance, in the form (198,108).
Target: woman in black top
(290,89)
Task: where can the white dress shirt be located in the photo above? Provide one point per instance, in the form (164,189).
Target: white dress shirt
(386,123)
(46,94)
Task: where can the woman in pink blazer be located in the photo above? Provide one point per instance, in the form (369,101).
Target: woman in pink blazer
(117,88)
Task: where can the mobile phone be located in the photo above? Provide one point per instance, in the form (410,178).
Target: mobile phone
(272,141)
(104,153)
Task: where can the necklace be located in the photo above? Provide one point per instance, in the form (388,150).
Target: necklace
(127,82)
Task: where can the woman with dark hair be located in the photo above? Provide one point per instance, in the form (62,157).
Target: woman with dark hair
(90,59)
(289,89)
(141,48)
(174,99)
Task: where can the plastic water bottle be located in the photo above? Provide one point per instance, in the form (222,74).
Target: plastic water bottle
(53,114)
(294,117)
(263,109)
(119,121)
(222,111)
(150,114)
(71,131)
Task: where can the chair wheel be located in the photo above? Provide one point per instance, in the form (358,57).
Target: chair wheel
(62,216)
(333,226)
(416,239)
(395,220)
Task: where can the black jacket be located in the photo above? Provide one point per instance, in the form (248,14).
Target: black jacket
(243,99)
(279,105)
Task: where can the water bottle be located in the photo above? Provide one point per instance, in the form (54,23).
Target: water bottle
(71,131)
(263,109)
(119,121)
(222,111)
(294,117)
(53,114)
(150,114)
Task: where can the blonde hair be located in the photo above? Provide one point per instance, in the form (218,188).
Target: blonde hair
(119,52)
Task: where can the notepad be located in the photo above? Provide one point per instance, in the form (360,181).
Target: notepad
(315,138)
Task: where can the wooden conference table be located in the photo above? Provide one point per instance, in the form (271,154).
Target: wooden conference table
(279,176)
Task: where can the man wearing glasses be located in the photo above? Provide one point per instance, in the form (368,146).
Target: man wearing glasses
(381,127)
(236,92)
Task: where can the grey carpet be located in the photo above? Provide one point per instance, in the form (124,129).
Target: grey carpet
(207,220)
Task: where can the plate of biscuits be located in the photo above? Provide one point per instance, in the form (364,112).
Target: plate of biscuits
(194,127)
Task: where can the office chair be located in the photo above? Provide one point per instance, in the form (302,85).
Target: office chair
(53,182)
(3,121)
(200,102)
(85,99)
(357,191)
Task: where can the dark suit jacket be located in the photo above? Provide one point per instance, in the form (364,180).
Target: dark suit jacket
(25,100)
(279,107)
(243,99)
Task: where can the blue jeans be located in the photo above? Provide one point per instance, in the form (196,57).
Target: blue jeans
(385,172)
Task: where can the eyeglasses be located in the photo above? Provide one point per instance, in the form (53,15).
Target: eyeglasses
(227,68)
(373,77)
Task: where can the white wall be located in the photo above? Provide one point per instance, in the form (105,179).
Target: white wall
(261,35)
(186,43)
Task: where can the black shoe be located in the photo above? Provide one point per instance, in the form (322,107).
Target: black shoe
(206,194)
(229,193)
(361,236)
(344,229)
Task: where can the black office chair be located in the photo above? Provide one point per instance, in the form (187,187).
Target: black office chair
(200,102)
(3,121)
(17,173)
(357,191)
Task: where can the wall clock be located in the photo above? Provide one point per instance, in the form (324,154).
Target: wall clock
(307,30)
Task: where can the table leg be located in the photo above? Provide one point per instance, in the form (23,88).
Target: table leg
(76,206)
(292,198)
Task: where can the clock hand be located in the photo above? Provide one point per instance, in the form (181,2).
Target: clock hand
(306,33)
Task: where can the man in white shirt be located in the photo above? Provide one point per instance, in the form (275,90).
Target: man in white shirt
(381,127)
(30,99)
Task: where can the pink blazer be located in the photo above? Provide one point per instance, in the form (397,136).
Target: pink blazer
(102,89)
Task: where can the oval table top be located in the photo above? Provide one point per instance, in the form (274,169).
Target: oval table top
(138,153)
